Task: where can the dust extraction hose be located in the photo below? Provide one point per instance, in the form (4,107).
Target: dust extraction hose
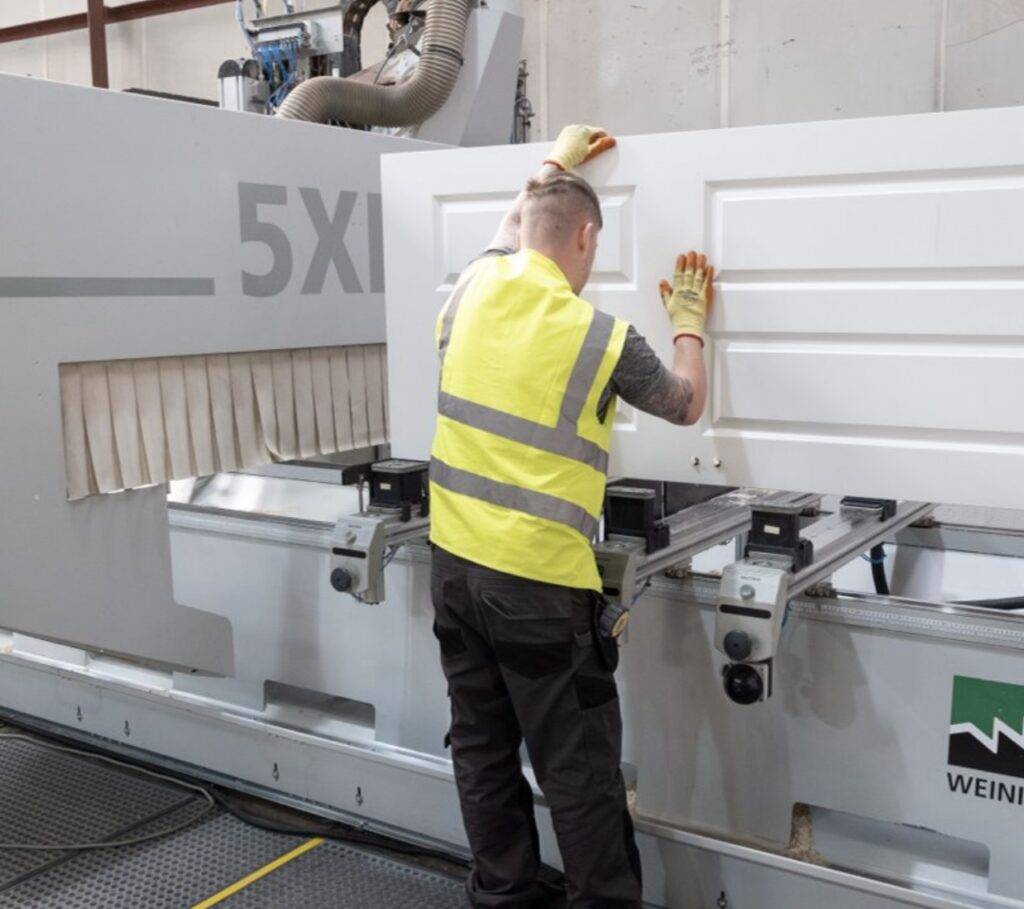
(327,98)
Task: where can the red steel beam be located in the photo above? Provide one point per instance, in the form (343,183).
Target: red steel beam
(142,9)
(96,13)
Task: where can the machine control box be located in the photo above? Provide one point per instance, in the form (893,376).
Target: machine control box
(357,551)
(752,598)
(751,605)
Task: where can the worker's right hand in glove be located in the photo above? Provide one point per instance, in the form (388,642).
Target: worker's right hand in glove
(577,144)
(688,298)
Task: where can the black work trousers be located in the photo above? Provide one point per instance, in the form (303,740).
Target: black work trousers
(522,663)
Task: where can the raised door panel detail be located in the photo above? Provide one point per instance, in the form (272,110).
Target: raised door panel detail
(847,389)
(964,222)
(464,224)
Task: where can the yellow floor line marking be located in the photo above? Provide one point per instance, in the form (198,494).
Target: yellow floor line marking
(259,873)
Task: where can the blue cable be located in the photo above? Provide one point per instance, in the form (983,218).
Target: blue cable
(285,56)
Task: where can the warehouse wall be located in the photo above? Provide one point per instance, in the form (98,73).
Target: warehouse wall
(642,65)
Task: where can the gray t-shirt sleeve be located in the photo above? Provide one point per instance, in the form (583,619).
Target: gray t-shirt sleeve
(495,251)
(642,380)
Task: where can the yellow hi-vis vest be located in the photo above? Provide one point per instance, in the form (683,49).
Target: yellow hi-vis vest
(520,458)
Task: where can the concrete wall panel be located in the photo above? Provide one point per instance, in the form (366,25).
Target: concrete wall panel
(985,53)
(67,55)
(827,59)
(23,58)
(634,67)
(185,50)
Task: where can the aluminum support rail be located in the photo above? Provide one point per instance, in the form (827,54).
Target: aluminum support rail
(401,532)
(848,534)
(625,566)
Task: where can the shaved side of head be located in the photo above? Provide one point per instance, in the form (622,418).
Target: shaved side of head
(556,207)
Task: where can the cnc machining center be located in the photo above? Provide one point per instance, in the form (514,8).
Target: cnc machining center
(793,737)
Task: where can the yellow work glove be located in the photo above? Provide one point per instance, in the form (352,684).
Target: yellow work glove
(577,144)
(688,298)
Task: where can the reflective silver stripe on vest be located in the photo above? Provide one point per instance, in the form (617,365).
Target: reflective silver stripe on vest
(562,439)
(588,362)
(448,319)
(528,501)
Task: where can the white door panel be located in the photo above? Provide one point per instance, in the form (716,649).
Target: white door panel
(868,332)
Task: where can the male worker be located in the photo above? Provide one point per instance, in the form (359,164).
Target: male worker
(529,377)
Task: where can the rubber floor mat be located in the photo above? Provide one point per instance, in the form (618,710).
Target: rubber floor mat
(172,873)
(49,796)
(335,876)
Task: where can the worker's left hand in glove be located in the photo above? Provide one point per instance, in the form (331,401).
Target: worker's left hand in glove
(577,144)
(688,298)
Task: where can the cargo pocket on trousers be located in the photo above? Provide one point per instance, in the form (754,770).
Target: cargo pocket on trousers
(602,722)
(453,644)
(530,626)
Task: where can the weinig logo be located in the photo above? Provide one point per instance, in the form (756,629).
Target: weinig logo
(986,734)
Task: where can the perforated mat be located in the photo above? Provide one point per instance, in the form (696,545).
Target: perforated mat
(333,875)
(50,797)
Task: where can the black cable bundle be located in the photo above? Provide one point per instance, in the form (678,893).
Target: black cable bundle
(878,570)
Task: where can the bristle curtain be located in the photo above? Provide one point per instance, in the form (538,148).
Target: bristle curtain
(131,423)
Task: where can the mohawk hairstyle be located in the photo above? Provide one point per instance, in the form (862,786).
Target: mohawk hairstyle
(560,196)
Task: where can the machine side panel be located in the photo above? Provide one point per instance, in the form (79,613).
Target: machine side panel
(133,227)
(867,330)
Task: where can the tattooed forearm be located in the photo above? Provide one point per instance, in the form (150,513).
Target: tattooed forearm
(670,398)
(685,402)
(642,380)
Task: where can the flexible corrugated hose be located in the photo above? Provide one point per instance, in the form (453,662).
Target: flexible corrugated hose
(328,98)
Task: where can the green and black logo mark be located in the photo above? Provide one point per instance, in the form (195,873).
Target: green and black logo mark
(986,731)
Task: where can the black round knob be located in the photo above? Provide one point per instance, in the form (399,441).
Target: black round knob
(738,645)
(341,580)
(743,684)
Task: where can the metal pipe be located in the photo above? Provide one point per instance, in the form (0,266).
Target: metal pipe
(142,9)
